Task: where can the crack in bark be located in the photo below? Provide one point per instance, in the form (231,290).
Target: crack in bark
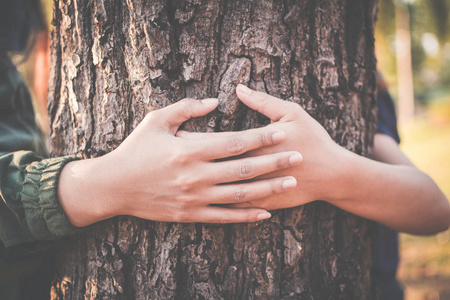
(92,92)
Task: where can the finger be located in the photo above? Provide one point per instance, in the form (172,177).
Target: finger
(238,193)
(221,145)
(215,214)
(270,106)
(206,135)
(248,168)
(202,135)
(175,114)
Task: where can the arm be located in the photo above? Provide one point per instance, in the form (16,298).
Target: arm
(390,191)
(158,176)
(153,175)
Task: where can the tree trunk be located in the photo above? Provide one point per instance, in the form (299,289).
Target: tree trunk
(115,61)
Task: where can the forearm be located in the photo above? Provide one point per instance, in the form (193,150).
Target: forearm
(398,196)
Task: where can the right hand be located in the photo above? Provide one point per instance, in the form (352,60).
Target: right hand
(159,176)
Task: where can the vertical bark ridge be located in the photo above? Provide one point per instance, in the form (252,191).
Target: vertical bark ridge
(55,72)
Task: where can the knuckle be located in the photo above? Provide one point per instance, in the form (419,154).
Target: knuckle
(176,215)
(180,158)
(225,219)
(245,170)
(187,183)
(264,97)
(282,162)
(185,103)
(240,195)
(181,216)
(274,188)
(184,186)
(264,139)
(186,106)
(184,202)
(235,145)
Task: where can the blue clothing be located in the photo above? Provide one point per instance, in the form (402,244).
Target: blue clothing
(385,250)
(387,122)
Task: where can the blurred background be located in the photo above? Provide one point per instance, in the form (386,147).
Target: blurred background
(413,50)
(412,42)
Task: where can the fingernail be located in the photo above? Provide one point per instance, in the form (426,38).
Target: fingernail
(278,136)
(244,89)
(263,216)
(295,159)
(289,183)
(210,101)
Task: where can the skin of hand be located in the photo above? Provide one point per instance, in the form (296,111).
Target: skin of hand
(388,189)
(159,176)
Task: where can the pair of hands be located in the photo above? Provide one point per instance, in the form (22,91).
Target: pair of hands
(318,175)
(162,174)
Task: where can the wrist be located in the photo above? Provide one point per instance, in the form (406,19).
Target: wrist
(341,180)
(83,192)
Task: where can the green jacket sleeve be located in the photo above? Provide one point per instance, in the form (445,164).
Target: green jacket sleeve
(30,209)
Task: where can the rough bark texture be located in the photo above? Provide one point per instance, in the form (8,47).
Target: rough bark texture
(115,61)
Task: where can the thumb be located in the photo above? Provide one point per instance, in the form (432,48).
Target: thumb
(270,106)
(186,109)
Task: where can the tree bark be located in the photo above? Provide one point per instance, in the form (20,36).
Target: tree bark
(115,61)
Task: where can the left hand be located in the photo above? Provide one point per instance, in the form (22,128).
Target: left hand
(318,175)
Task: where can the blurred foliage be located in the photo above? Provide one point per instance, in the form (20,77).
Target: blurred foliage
(439,11)
(430,38)
(427,143)
(47,6)
(425,267)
